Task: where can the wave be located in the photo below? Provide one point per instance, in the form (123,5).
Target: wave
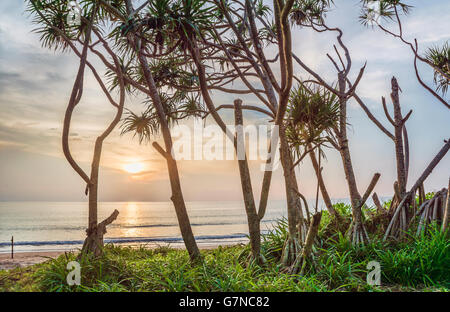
(192,224)
(127,226)
(124,240)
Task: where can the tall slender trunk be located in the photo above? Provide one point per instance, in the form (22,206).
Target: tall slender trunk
(265,188)
(296,221)
(93,243)
(355,197)
(246,183)
(323,189)
(294,212)
(398,134)
(177,194)
(357,231)
(446,206)
(95,232)
(253,217)
(75,97)
(344,151)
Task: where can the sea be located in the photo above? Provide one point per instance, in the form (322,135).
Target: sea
(56,226)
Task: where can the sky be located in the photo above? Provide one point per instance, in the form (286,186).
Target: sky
(35,85)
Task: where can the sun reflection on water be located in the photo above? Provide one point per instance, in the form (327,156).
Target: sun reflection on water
(130,213)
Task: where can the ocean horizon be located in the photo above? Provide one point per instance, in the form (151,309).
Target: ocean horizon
(60,226)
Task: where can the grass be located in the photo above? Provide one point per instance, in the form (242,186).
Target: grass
(415,263)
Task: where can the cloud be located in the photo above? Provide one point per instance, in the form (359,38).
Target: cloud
(35,85)
(374,85)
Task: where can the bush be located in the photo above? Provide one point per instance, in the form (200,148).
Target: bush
(419,260)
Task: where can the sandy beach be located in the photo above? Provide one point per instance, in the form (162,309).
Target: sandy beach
(24,259)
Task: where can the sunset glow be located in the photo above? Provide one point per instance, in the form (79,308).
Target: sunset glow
(134,167)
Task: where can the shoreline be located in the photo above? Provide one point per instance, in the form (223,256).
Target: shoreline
(25,259)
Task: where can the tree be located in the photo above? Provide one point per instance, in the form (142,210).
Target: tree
(186,24)
(136,45)
(399,137)
(240,35)
(312,14)
(117,45)
(402,215)
(56,33)
(312,113)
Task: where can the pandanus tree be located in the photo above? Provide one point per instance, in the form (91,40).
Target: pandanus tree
(170,30)
(202,48)
(376,12)
(56,33)
(240,36)
(312,113)
(399,136)
(119,49)
(311,14)
(237,41)
(216,32)
(187,26)
(140,41)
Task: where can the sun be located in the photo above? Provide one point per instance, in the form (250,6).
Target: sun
(134,167)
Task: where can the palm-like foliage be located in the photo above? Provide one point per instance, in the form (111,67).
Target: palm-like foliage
(128,70)
(179,105)
(177,21)
(384,9)
(306,11)
(145,125)
(313,112)
(191,106)
(439,57)
(51,16)
(261,9)
(170,74)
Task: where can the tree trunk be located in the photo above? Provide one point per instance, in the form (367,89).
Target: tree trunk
(355,197)
(75,97)
(94,240)
(95,232)
(177,194)
(253,217)
(398,134)
(296,221)
(446,206)
(246,183)
(393,229)
(443,151)
(357,230)
(323,189)
(300,262)
(93,244)
(181,211)
(265,188)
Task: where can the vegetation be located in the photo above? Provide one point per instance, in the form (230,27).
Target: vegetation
(415,263)
(174,53)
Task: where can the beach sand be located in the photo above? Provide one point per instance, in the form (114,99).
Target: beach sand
(24,259)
